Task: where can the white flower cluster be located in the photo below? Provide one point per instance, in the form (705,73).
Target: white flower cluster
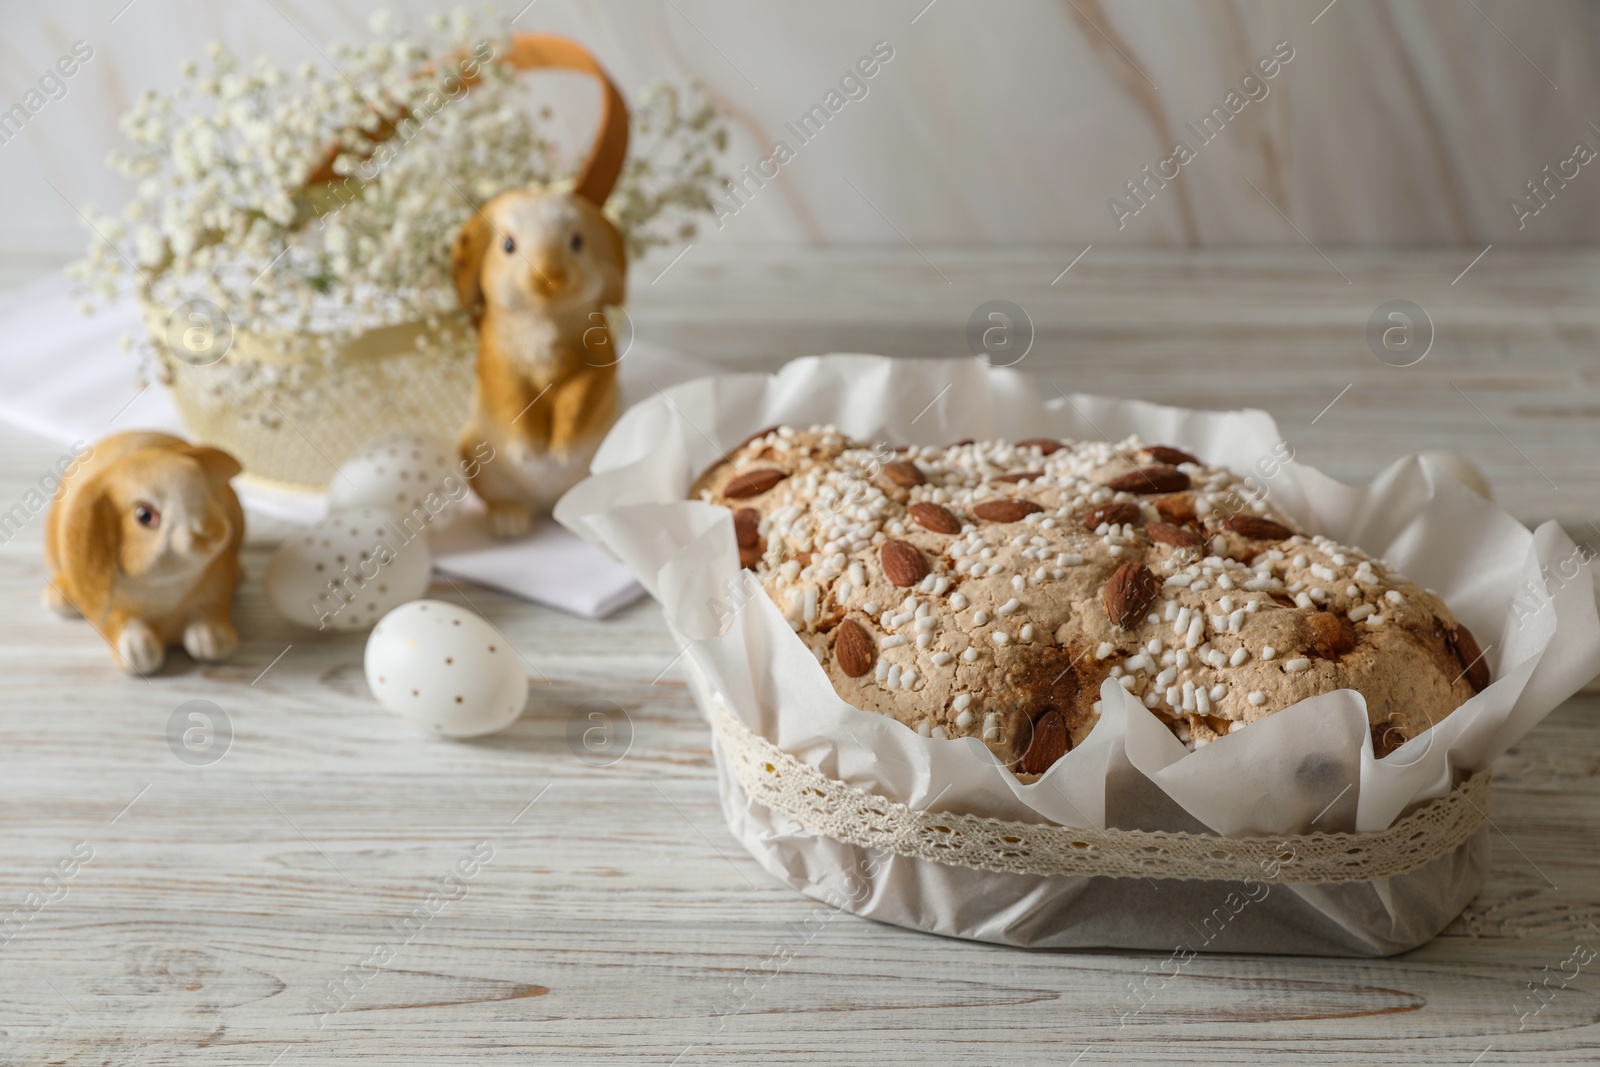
(669,176)
(321,203)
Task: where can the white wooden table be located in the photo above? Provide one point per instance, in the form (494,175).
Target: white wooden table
(210,907)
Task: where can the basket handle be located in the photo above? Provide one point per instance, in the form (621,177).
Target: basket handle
(539,51)
(598,176)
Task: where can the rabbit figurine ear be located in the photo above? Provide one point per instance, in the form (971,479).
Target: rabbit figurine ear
(218,465)
(93,543)
(466,262)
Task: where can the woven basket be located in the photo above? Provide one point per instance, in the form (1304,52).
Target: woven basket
(375,383)
(378,381)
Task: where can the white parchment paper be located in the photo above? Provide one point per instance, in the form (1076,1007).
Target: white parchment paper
(1308,767)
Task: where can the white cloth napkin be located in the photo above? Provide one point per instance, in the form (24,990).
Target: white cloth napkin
(63,377)
(550,566)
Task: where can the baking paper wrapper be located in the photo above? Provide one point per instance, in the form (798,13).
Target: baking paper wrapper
(1309,767)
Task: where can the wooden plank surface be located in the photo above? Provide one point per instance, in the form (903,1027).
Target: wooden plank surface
(615,920)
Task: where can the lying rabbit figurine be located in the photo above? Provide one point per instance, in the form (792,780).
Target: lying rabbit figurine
(537,268)
(143,541)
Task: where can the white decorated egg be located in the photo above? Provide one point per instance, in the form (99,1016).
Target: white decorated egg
(348,571)
(445,669)
(412,475)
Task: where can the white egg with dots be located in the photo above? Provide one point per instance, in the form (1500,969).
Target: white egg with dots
(445,669)
(406,473)
(348,571)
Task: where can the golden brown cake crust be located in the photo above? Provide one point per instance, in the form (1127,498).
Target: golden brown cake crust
(1074,562)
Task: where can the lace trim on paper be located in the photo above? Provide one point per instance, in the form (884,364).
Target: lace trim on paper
(840,811)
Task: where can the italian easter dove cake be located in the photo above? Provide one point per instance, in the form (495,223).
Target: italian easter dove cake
(987,589)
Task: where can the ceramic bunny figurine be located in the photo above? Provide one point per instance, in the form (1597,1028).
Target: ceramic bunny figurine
(534,269)
(143,541)
(538,267)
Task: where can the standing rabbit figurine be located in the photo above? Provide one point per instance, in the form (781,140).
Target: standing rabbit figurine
(143,541)
(534,269)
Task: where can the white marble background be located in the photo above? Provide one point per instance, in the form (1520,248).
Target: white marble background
(998,123)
